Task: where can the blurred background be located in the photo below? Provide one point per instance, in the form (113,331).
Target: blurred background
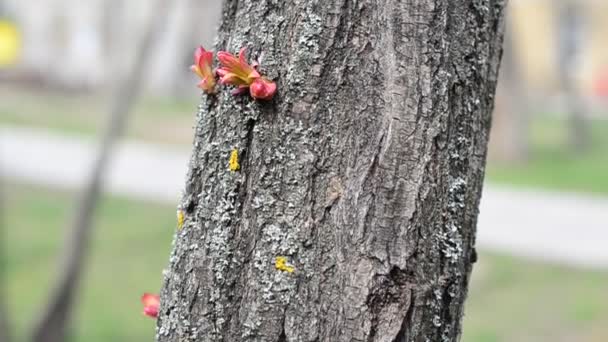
(68,69)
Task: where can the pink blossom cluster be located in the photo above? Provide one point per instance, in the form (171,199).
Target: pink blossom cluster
(233,71)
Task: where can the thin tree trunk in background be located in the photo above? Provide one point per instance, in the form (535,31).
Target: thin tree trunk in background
(570,39)
(53,322)
(579,126)
(510,140)
(365,172)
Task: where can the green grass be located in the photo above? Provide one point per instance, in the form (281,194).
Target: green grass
(553,165)
(509,299)
(130,247)
(516,300)
(163,120)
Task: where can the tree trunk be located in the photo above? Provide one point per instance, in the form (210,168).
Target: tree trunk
(365,172)
(570,40)
(510,140)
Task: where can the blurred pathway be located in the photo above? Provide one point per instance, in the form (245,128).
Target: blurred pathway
(142,171)
(556,227)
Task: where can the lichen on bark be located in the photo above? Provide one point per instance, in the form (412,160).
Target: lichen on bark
(364,172)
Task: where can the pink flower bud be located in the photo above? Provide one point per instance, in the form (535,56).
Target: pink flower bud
(202,67)
(151,304)
(262,89)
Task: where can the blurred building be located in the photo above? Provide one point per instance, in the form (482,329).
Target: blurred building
(90,43)
(536,29)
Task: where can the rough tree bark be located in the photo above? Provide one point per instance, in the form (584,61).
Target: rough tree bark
(365,172)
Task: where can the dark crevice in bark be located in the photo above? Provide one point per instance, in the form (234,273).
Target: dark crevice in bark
(245,161)
(193,189)
(194,185)
(473,256)
(193,300)
(403,333)
(212,101)
(396,287)
(282,336)
(312,237)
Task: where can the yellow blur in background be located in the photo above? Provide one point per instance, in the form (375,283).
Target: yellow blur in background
(10,43)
